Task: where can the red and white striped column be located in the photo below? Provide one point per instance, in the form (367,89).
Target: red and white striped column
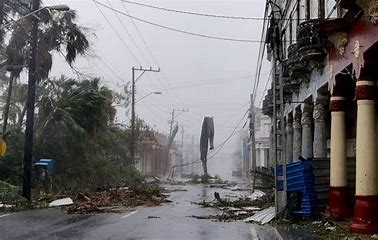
(365,218)
(338,192)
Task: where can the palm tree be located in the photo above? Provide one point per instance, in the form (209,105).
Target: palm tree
(85,104)
(58,32)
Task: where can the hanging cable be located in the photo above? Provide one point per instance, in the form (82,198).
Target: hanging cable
(179,30)
(193,13)
(116,32)
(217,149)
(260,55)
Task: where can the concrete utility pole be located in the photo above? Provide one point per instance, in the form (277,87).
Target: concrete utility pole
(133,81)
(172,121)
(28,148)
(192,154)
(30,101)
(278,119)
(182,149)
(253,140)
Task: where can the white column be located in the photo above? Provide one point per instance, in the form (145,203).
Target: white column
(338,150)
(366,174)
(365,218)
(338,192)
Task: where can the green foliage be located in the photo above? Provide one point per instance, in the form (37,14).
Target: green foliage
(57,32)
(8,192)
(74,125)
(11,163)
(75,128)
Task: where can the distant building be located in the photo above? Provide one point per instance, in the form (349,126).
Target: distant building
(152,155)
(262,140)
(262,143)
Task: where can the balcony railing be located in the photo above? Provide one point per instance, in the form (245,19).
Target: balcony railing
(307,36)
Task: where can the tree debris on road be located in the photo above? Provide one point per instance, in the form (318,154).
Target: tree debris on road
(239,209)
(113,200)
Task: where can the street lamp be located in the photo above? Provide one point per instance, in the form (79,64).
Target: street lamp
(30,102)
(133,81)
(156,93)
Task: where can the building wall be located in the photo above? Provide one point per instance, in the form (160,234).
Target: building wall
(296,12)
(262,132)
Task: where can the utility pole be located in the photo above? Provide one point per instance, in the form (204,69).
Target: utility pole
(182,150)
(192,155)
(172,121)
(253,140)
(28,148)
(278,109)
(133,81)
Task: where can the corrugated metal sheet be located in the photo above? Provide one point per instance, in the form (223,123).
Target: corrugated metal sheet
(263,216)
(321,169)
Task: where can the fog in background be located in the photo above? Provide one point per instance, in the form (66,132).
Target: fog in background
(208,77)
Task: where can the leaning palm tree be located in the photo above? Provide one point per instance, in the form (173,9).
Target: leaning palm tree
(58,32)
(74,108)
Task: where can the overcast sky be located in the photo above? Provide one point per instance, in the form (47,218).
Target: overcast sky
(207,77)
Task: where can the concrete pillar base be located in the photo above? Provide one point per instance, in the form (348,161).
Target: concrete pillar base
(338,204)
(365,220)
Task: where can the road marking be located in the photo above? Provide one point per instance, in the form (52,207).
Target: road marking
(5,215)
(130,214)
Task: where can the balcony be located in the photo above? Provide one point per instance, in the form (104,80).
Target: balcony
(310,44)
(267,108)
(287,86)
(296,68)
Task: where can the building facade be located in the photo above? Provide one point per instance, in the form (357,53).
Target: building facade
(262,139)
(262,124)
(329,70)
(152,157)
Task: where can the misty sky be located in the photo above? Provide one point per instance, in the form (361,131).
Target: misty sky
(208,77)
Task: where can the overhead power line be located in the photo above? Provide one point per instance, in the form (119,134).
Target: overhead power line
(140,35)
(207,14)
(265,88)
(215,150)
(260,56)
(128,34)
(116,32)
(153,57)
(179,30)
(194,13)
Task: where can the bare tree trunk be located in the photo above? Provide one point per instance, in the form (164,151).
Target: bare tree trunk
(22,115)
(8,102)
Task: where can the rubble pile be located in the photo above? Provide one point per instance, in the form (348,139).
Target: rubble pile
(323,228)
(237,209)
(115,200)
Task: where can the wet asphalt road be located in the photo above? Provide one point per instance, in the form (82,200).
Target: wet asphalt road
(169,221)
